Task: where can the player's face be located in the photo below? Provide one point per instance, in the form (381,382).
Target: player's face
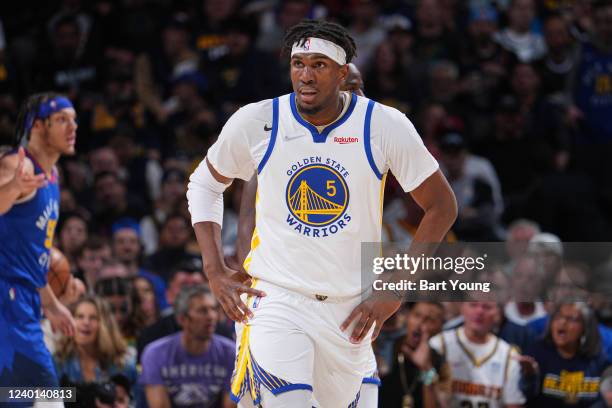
(87,324)
(316,81)
(567,327)
(202,317)
(61,131)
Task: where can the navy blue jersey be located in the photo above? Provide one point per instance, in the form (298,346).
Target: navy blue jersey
(594,92)
(26,233)
(565,382)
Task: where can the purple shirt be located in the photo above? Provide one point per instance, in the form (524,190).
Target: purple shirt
(191,380)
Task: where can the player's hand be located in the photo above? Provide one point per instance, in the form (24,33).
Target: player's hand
(227,287)
(24,181)
(61,319)
(375,310)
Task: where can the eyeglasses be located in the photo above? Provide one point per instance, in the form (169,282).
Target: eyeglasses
(569,319)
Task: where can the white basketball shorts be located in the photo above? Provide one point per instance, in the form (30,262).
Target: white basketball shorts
(294,342)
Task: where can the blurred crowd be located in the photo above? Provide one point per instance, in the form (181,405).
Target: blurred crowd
(513,97)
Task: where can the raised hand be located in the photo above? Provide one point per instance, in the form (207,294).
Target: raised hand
(24,181)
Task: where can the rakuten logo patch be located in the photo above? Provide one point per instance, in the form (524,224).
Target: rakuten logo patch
(345,140)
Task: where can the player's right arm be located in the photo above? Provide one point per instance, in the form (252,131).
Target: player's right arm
(230,157)
(17,179)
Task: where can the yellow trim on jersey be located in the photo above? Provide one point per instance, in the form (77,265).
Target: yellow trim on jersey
(254,239)
(473,359)
(382,196)
(242,360)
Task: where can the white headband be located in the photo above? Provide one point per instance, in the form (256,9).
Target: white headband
(320,46)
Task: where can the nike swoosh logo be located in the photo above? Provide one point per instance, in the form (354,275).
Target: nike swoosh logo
(266,128)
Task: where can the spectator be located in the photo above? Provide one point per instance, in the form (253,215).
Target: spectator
(188,273)
(208,358)
(483,366)
(155,72)
(67,67)
(145,309)
(72,233)
(97,351)
(174,236)
(127,249)
(387,80)
(518,37)
(112,202)
(564,368)
(527,285)
(90,260)
(555,67)
(413,359)
(477,219)
(367,31)
(115,290)
(605,389)
(275,25)
(233,72)
(172,191)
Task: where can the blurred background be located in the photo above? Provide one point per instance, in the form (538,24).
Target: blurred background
(513,97)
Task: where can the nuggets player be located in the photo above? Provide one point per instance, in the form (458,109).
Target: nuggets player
(321,156)
(29,209)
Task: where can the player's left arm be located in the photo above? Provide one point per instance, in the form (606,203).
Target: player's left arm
(437,200)
(59,316)
(403,152)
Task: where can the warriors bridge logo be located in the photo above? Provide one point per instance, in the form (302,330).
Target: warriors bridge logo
(317,197)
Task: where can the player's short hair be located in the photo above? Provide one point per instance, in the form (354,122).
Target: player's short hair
(326,30)
(183,299)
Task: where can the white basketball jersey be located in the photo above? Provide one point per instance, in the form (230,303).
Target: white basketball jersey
(319,194)
(318,198)
(479,382)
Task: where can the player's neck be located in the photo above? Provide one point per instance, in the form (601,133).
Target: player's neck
(44,156)
(194,346)
(327,115)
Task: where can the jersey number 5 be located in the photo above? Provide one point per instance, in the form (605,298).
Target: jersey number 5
(331,188)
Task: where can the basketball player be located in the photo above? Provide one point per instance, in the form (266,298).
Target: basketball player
(368,393)
(321,156)
(29,209)
(484,368)
(246,224)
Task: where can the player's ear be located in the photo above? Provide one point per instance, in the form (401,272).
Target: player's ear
(343,72)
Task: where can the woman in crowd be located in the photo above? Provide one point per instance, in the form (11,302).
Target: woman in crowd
(97,351)
(563,369)
(145,310)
